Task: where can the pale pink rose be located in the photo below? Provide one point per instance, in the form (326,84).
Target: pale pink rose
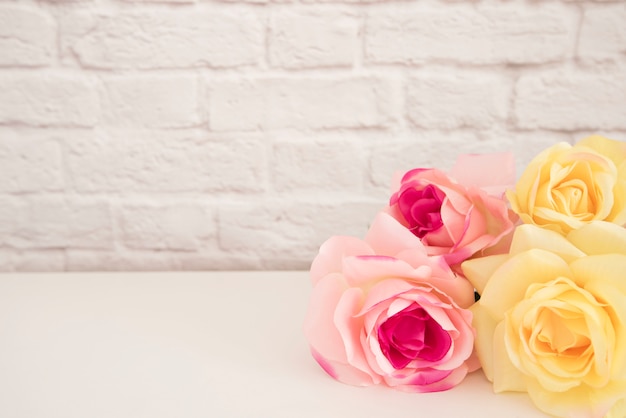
(458,219)
(383,311)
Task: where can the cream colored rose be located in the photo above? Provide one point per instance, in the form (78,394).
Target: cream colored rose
(565,186)
(551,320)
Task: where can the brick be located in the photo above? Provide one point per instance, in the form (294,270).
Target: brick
(342,1)
(59,222)
(527,145)
(48,100)
(30,163)
(334,163)
(233,165)
(455,101)
(306,40)
(178,226)
(6,261)
(89,260)
(571,101)
(603,33)
(161,1)
(27,37)
(45,261)
(290,231)
(514,33)
(302,103)
(214,259)
(175,38)
(166,162)
(152,101)
(9,212)
(419,150)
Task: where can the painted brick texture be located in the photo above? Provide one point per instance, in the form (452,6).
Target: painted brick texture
(240,134)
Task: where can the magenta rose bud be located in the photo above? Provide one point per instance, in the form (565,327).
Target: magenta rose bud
(412,334)
(454,220)
(382,311)
(422,209)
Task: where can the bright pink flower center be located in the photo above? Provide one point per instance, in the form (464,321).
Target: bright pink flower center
(422,209)
(412,334)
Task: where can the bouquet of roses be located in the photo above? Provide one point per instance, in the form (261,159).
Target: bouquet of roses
(469,269)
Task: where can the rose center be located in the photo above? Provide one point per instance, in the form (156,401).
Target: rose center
(572,198)
(412,334)
(422,209)
(563,332)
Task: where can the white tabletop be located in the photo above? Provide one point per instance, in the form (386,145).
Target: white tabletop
(210,344)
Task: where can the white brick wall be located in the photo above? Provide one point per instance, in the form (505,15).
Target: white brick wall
(240,134)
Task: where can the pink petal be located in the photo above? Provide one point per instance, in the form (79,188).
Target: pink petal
(331,253)
(383,291)
(349,327)
(327,344)
(429,380)
(387,236)
(493,173)
(368,270)
(319,326)
(344,372)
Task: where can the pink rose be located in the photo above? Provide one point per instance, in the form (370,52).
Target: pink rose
(383,311)
(458,219)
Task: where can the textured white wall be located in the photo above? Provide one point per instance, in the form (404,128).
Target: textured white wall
(182,134)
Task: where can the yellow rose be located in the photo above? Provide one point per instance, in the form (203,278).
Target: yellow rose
(565,186)
(551,320)
(619,410)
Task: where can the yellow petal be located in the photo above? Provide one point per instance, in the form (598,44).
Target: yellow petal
(614,299)
(618,410)
(527,237)
(483,343)
(599,238)
(614,150)
(580,401)
(523,198)
(509,282)
(608,268)
(479,270)
(618,212)
(506,377)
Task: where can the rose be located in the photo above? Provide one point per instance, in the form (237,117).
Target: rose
(453,219)
(619,410)
(383,311)
(551,320)
(565,186)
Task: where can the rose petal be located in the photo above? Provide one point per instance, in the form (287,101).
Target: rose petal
(349,326)
(527,237)
(485,327)
(383,291)
(387,236)
(610,267)
(615,150)
(319,327)
(509,282)
(529,181)
(506,377)
(479,270)
(618,410)
(429,380)
(493,172)
(331,253)
(599,238)
(326,342)
(578,402)
(618,212)
(613,297)
(368,270)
